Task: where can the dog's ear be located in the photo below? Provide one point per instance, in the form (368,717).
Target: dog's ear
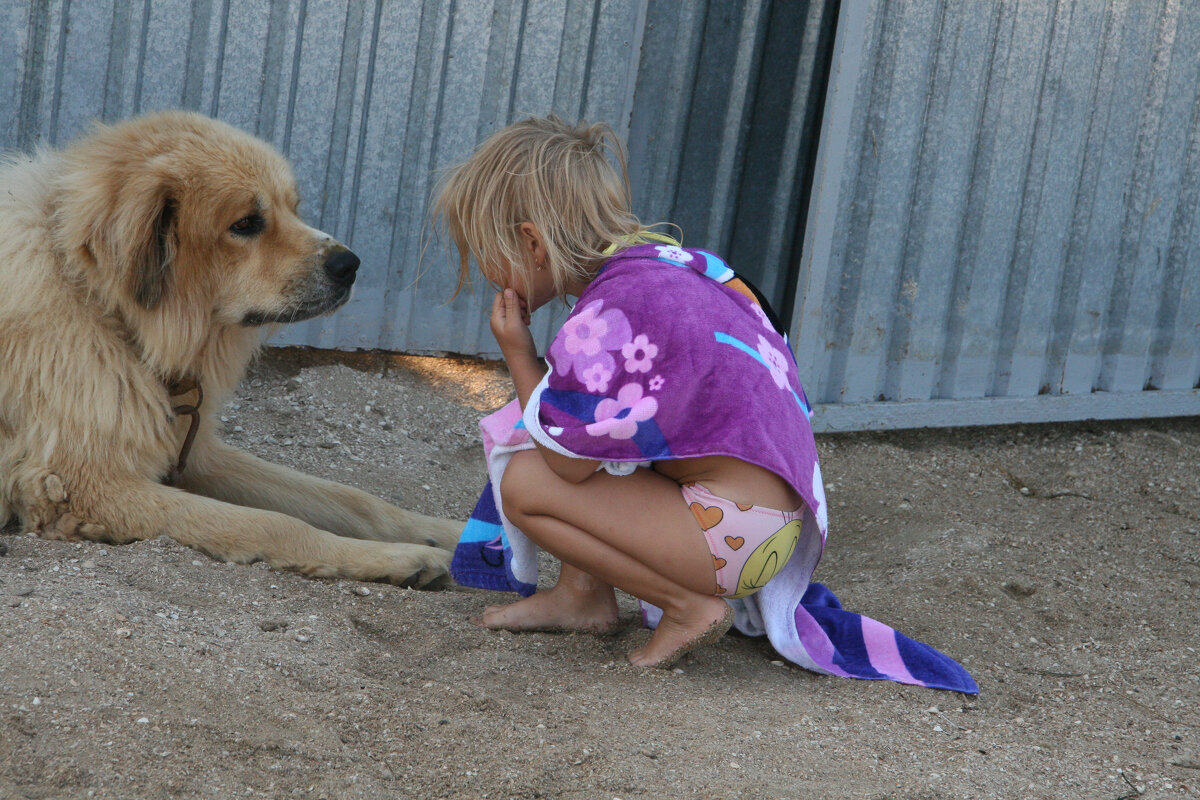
(150,258)
(129,225)
(118,210)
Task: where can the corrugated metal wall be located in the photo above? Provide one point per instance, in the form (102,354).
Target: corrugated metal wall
(724,130)
(1004,222)
(370,98)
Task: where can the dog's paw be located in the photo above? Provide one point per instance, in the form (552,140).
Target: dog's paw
(70,528)
(411,565)
(64,529)
(53,488)
(416,567)
(42,495)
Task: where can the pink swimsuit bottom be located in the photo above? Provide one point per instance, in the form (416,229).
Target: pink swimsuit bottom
(749,544)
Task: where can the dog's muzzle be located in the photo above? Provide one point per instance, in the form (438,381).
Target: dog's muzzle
(318,295)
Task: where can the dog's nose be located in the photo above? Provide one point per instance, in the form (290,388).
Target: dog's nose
(340,266)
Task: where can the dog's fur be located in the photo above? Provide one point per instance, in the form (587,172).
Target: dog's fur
(147,253)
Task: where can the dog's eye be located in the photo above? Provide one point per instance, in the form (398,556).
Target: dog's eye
(248,225)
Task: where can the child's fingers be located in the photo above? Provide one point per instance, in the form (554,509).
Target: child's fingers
(515,306)
(510,319)
(512,304)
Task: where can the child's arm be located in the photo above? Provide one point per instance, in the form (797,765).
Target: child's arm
(520,354)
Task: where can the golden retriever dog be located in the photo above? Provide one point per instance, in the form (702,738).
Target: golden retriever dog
(137,267)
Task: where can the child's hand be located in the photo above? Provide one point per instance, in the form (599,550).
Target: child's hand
(510,326)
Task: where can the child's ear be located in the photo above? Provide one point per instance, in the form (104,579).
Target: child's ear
(533,244)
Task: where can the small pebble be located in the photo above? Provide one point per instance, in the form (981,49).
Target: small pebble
(362,591)
(123,633)
(143,720)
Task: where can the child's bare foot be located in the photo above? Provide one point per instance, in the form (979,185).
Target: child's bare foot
(676,636)
(557,610)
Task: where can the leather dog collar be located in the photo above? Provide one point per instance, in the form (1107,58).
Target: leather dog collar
(178,388)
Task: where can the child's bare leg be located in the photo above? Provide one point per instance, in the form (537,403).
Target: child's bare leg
(633,532)
(687,615)
(578,602)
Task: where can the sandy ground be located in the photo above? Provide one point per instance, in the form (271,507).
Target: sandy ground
(1060,564)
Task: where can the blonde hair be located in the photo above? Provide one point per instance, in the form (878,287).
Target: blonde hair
(544,171)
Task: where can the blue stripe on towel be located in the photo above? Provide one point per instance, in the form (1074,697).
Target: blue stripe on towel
(650,441)
(934,669)
(922,665)
(844,630)
(482,556)
(580,405)
(725,338)
(485,509)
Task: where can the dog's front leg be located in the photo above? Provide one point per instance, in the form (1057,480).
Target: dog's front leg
(135,510)
(226,473)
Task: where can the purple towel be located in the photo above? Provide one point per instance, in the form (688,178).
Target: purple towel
(667,354)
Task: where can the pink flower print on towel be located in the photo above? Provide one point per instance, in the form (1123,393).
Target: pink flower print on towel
(639,354)
(657,382)
(762,316)
(585,342)
(776,361)
(619,417)
(673,253)
(596,377)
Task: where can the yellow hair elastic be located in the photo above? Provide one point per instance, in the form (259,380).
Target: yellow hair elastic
(641,237)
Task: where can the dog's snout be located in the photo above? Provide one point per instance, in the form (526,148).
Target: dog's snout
(340,266)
